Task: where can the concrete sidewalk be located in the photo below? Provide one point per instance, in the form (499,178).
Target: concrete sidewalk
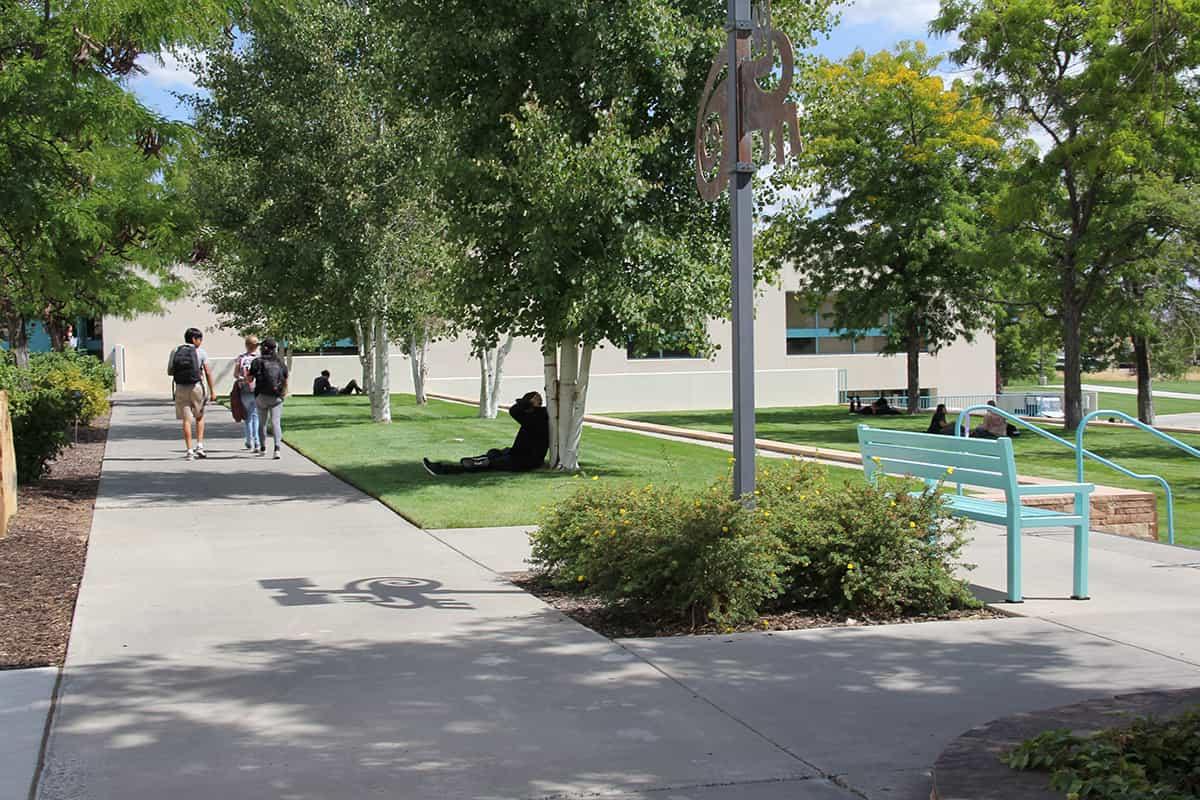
(255,629)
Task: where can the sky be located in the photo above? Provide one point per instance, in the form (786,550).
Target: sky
(871,25)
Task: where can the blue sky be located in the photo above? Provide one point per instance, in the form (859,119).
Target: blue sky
(871,25)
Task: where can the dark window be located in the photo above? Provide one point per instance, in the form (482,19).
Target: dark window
(802,346)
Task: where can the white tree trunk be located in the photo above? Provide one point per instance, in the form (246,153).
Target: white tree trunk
(418,351)
(491,377)
(569,363)
(568,456)
(381,396)
(550,371)
(498,376)
(366,354)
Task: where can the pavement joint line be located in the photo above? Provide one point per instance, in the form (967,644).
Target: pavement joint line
(35,782)
(1113,640)
(682,787)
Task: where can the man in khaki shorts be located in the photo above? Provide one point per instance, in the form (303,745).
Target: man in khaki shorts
(188,365)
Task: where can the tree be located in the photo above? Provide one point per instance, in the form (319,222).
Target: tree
(322,220)
(895,170)
(91,216)
(1109,87)
(573,191)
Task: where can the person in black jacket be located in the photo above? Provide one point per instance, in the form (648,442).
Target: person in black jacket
(528,451)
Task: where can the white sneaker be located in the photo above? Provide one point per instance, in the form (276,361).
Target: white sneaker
(200,451)
(276,453)
(191,455)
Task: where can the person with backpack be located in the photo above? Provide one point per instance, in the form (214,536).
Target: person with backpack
(244,386)
(188,365)
(270,376)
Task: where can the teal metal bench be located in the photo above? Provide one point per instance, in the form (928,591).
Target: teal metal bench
(986,463)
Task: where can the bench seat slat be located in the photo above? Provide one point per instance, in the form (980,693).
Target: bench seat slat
(990,510)
(931,441)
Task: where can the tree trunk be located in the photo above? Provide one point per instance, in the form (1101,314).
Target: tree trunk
(418,349)
(381,396)
(569,451)
(1145,395)
(366,354)
(568,380)
(550,371)
(1072,367)
(18,340)
(914,366)
(498,375)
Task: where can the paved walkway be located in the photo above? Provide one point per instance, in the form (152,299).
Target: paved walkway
(255,629)
(1125,390)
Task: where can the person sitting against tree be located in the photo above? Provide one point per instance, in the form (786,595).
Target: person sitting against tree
(528,451)
(994,426)
(323,388)
(938,424)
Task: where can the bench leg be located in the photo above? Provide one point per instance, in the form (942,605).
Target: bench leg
(1080,585)
(1014,561)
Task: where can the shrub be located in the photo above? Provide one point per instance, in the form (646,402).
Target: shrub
(863,549)
(706,556)
(806,544)
(1148,760)
(45,399)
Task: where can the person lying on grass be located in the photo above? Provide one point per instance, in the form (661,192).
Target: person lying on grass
(528,451)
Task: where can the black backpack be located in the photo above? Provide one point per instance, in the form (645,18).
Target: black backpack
(270,377)
(185,365)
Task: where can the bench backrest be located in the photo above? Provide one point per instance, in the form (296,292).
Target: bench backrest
(954,459)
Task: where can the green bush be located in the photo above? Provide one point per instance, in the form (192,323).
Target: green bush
(862,549)
(46,399)
(805,545)
(706,557)
(1149,760)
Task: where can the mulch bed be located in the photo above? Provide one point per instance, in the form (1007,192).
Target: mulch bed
(41,558)
(625,623)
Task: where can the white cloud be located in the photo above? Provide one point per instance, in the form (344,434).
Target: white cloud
(169,72)
(901,14)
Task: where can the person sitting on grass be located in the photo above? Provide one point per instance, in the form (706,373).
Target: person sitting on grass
(323,388)
(880,408)
(528,451)
(938,424)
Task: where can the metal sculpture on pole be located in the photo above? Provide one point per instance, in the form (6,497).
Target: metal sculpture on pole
(730,111)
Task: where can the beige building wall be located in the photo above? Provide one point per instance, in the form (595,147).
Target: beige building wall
(618,382)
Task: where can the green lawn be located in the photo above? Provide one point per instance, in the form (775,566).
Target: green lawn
(1124,402)
(385,460)
(833,427)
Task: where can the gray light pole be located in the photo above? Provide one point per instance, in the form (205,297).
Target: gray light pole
(741,205)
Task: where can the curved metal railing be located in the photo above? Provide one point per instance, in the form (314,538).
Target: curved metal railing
(1079,452)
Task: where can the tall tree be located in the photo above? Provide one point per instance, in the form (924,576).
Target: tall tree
(887,201)
(91,217)
(1110,89)
(573,189)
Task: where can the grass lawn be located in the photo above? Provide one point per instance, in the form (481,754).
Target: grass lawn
(1124,402)
(385,460)
(831,426)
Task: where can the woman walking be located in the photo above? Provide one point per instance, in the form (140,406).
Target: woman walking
(270,386)
(244,386)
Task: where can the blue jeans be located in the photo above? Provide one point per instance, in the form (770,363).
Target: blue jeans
(250,423)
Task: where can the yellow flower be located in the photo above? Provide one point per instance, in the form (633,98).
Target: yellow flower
(849,566)
(724,529)
(757,492)
(766,513)
(732,460)
(622,511)
(581,579)
(803,497)
(912,524)
(877,459)
(949,470)
(595,477)
(787,488)
(697,504)
(893,504)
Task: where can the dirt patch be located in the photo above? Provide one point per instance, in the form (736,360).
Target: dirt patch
(41,558)
(626,623)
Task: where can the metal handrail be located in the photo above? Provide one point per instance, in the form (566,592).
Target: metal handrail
(1143,426)
(1080,453)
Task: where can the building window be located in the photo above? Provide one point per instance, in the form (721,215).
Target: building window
(342,347)
(811,332)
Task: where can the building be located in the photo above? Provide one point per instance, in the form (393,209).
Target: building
(799,362)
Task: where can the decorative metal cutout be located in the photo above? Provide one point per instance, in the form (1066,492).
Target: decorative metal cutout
(761,110)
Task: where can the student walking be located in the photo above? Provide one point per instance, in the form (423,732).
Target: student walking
(270,377)
(244,386)
(188,365)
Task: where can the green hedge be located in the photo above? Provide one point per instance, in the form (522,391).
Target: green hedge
(807,544)
(46,398)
